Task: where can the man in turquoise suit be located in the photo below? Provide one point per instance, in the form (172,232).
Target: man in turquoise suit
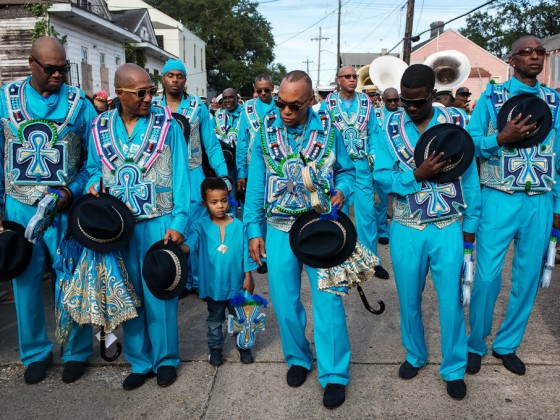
(139,150)
(290,138)
(43,141)
(520,202)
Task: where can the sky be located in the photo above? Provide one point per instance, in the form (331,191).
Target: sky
(366,26)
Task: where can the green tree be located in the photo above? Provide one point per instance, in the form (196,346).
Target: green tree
(239,41)
(506,20)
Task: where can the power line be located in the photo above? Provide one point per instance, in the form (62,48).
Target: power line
(445,23)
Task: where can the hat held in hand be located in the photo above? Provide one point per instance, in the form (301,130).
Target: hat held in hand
(323,243)
(15,251)
(455,143)
(527,104)
(165,270)
(102,224)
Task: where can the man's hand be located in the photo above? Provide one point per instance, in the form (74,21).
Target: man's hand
(94,190)
(173,236)
(64,202)
(338,198)
(431,166)
(556,221)
(241,184)
(256,249)
(515,130)
(468,237)
(249,284)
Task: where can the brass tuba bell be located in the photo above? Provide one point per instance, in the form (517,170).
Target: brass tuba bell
(451,67)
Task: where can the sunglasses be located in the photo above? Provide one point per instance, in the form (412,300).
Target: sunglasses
(141,93)
(292,106)
(395,100)
(53,69)
(528,52)
(414,102)
(349,76)
(265,90)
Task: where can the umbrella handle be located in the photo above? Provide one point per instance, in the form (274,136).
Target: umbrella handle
(103,350)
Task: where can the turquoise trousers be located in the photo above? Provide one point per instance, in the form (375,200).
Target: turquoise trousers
(330,332)
(34,345)
(413,253)
(527,220)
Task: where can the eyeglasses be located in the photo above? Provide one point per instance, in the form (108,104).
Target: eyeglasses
(293,106)
(527,52)
(265,90)
(349,76)
(395,100)
(141,93)
(53,69)
(414,102)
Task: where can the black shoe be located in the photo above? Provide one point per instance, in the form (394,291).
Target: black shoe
(511,362)
(216,358)
(166,375)
(381,273)
(334,395)
(473,363)
(296,375)
(407,371)
(262,269)
(136,380)
(383,240)
(457,389)
(73,371)
(245,356)
(37,371)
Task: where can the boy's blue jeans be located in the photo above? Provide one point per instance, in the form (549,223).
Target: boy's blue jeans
(215,321)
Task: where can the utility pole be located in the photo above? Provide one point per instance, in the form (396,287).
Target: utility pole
(338,61)
(319,38)
(408,32)
(307,62)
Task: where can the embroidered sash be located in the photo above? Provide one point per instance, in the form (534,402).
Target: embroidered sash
(516,169)
(142,176)
(353,127)
(227,127)
(285,192)
(434,203)
(39,153)
(190,112)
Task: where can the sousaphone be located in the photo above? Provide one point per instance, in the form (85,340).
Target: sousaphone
(451,67)
(386,71)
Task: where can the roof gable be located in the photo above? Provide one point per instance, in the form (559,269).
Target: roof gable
(136,21)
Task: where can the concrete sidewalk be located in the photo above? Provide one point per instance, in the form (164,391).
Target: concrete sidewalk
(259,390)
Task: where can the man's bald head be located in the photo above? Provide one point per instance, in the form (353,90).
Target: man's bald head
(229,98)
(48,53)
(344,69)
(48,46)
(129,75)
(390,92)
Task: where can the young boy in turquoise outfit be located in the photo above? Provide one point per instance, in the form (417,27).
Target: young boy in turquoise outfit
(224,262)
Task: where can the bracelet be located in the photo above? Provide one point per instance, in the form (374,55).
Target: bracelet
(67,191)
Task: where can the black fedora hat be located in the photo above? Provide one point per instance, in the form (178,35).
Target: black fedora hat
(229,154)
(527,104)
(165,270)
(323,243)
(184,124)
(454,142)
(102,224)
(15,251)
